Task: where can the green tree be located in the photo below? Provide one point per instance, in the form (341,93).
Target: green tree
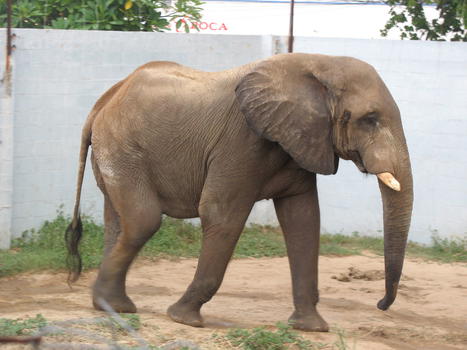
(409,17)
(121,15)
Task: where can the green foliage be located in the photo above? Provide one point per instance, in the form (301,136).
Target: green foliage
(409,17)
(260,241)
(441,249)
(457,248)
(262,339)
(174,238)
(180,238)
(14,327)
(45,248)
(133,320)
(341,342)
(120,15)
(342,245)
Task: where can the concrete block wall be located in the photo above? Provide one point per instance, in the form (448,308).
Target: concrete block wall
(60,74)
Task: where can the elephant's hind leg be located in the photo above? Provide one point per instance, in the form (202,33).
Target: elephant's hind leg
(112,227)
(132,216)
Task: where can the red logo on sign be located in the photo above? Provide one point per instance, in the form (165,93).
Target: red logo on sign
(204,26)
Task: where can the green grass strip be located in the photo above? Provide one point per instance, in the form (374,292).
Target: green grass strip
(45,249)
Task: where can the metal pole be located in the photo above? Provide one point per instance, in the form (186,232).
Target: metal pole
(292,5)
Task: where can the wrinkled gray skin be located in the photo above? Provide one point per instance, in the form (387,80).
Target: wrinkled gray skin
(173,140)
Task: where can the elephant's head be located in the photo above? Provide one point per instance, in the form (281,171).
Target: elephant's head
(319,108)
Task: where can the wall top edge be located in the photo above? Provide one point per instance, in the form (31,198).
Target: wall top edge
(381,41)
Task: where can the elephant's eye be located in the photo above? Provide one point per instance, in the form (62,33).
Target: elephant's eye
(369,120)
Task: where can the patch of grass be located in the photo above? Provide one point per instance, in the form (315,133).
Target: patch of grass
(45,248)
(260,241)
(174,238)
(341,341)
(133,320)
(441,249)
(19,326)
(180,238)
(261,338)
(339,244)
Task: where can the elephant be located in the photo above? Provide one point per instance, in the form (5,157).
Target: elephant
(173,140)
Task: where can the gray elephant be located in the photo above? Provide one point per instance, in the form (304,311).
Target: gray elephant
(177,141)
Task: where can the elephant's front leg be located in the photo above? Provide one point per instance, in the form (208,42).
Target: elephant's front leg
(299,218)
(223,217)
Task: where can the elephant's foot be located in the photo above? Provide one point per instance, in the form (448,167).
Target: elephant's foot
(186,314)
(310,322)
(118,302)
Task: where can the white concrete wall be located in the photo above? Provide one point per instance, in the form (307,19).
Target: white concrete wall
(429,83)
(6,150)
(60,74)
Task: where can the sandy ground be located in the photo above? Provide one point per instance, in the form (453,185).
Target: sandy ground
(429,313)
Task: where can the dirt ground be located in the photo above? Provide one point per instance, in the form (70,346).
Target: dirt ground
(429,313)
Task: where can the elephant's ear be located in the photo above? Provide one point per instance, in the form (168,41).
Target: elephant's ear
(287,104)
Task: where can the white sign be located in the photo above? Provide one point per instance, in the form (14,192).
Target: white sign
(313,18)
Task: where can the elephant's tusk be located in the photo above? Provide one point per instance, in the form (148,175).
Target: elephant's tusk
(389,180)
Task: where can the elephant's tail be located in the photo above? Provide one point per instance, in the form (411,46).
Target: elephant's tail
(75,229)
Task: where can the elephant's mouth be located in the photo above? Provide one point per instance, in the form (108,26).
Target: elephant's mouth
(354,156)
(386,177)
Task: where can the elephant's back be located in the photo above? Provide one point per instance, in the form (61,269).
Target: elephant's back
(166,97)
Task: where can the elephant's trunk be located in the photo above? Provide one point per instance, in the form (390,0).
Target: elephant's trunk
(397,207)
